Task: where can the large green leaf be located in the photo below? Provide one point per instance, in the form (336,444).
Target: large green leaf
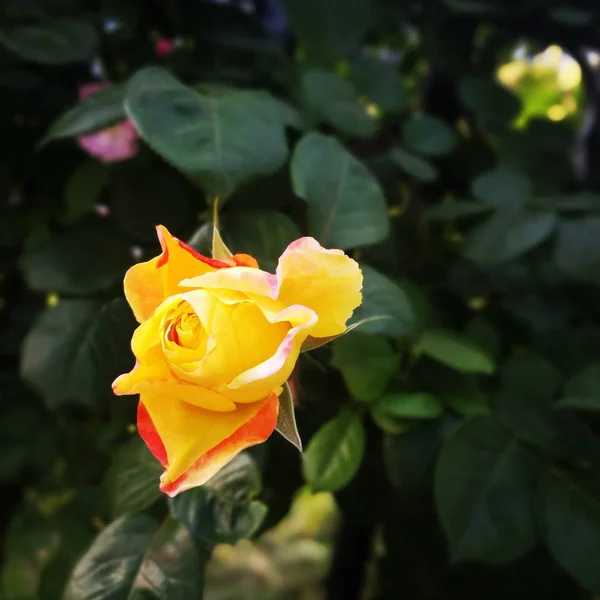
(384,297)
(346,204)
(367,363)
(133,478)
(569,520)
(131,558)
(507,234)
(85,259)
(223,510)
(578,248)
(380,82)
(76,349)
(100,110)
(334,453)
(264,234)
(454,350)
(502,187)
(328,30)
(583,390)
(429,135)
(336,102)
(484,488)
(218,141)
(52,42)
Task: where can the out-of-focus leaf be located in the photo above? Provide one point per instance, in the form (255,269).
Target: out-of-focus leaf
(456,209)
(84,188)
(582,391)
(484,490)
(367,363)
(493,104)
(414,165)
(383,297)
(86,258)
(76,349)
(334,453)
(337,103)
(223,510)
(507,234)
(133,478)
(429,135)
(380,82)
(218,141)
(568,515)
(578,248)
(454,350)
(345,202)
(406,405)
(100,110)
(131,558)
(502,187)
(52,42)
(328,30)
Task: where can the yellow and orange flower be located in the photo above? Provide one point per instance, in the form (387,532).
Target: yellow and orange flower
(216,342)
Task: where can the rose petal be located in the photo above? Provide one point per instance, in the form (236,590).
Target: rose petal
(327,281)
(147,284)
(198,442)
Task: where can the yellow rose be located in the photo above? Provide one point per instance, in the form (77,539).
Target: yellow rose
(217,341)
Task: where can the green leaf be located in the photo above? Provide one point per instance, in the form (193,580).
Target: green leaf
(481,331)
(492,103)
(328,30)
(413,165)
(367,363)
(454,350)
(84,188)
(384,297)
(530,375)
(223,509)
(286,420)
(402,405)
(264,234)
(582,391)
(218,141)
(484,488)
(468,402)
(334,453)
(502,187)
(143,198)
(578,248)
(85,259)
(569,520)
(380,82)
(455,210)
(346,206)
(52,42)
(76,349)
(93,113)
(507,234)
(133,478)
(336,102)
(132,559)
(429,135)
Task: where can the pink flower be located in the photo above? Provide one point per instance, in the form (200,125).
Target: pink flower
(163,47)
(114,144)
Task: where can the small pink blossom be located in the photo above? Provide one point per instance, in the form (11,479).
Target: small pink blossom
(114,144)
(163,47)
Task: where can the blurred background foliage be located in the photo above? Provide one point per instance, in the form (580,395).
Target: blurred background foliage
(453,148)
